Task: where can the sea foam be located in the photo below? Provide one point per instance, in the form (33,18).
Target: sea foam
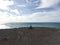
(4,27)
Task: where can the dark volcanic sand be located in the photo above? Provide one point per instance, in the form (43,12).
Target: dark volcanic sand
(27,36)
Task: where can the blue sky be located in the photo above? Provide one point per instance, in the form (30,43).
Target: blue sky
(29,11)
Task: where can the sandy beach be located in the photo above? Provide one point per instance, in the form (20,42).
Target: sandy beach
(27,36)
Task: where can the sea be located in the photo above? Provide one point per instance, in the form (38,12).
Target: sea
(34,24)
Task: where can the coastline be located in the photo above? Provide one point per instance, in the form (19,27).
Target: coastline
(27,36)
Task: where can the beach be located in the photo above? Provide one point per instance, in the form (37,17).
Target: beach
(30,36)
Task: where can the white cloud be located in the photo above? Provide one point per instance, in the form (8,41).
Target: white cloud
(48,3)
(15,11)
(21,5)
(53,16)
(27,1)
(4,4)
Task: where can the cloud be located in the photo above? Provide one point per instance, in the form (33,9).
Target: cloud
(52,16)
(45,16)
(4,4)
(15,11)
(39,16)
(48,3)
(21,5)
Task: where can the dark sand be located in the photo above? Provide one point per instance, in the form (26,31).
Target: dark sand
(27,36)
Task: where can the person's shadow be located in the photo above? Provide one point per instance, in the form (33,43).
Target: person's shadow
(30,27)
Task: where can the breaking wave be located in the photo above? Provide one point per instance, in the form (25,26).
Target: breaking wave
(4,27)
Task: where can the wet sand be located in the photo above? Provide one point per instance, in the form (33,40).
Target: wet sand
(28,36)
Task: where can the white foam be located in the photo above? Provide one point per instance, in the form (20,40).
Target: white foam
(4,27)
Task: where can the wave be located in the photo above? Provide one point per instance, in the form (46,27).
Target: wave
(4,27)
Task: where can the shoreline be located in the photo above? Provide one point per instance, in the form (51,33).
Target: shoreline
(29,27)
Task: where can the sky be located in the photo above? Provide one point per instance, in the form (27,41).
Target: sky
(29,11)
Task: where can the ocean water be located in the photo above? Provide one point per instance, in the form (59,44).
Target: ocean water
(19,25)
